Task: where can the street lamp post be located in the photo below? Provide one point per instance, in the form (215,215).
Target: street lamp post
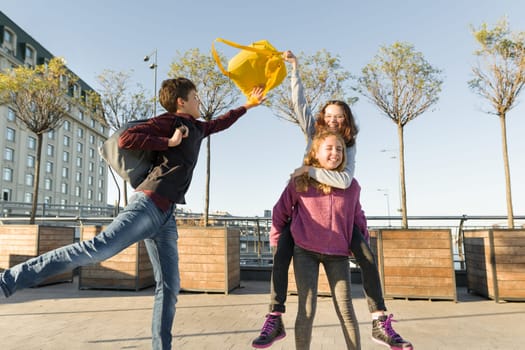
(153,66)
(387,197)
(393,155)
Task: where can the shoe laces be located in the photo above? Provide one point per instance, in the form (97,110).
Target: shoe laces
(387,324)
(269,325)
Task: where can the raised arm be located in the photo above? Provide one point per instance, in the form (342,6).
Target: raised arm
(302,111)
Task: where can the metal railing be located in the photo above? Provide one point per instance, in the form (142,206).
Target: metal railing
(255,231)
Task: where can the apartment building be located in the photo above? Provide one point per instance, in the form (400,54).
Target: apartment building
(72,173)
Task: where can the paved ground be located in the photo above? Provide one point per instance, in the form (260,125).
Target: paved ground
(63,317)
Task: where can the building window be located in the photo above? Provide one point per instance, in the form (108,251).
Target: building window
(77,191)
(9,154)
(48,184)
(93,123)
(80,132)
(65,157)
(9,41)
(80,115)
(49,167)
(79,176)
(10,134)
(79,162)
(92,139)
(100,196)
(101,170)
(80,147)
(67,141)
(90,194)
(63,188)
(50,150)
(30,161)
(11,116)
(6,194)
(30,57)
(51,135)
(31,142)
(28,197)
(91,153)
(67,125)
(8,174)
(65,172)
(90,181)
(91,166)
(29,179)
(101,183)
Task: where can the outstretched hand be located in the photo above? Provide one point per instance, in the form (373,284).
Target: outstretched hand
(256,98)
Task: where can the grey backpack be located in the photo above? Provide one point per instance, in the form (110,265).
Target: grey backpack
(132,165)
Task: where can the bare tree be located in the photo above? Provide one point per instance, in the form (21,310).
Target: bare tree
(499,78)
(403,85)
(118,104)
(39,97)
(216,92)
(323,79)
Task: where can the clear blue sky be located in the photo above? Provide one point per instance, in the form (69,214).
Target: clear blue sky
(453,154)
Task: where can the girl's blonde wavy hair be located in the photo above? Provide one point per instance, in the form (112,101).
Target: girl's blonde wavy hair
(304,181)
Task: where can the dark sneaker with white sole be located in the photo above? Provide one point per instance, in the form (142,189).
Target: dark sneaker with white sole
(383,333)
(272,330)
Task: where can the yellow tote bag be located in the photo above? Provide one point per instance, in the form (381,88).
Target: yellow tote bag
(258,64)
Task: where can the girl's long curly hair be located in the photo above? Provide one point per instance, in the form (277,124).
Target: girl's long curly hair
(304,181)
(349,130)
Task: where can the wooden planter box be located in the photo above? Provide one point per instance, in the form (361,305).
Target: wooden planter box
(416,263)
(495,260)
(209,259)
(323,287)
(128,270)
(19,243)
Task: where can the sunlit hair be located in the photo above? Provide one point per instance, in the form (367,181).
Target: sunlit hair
(349,129)
(172,89)
(304,181)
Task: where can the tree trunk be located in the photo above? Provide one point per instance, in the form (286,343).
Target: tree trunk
(36,178)
(510,213)
(404,223)
(208,171)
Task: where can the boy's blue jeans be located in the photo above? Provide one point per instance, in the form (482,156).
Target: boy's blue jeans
(140,220)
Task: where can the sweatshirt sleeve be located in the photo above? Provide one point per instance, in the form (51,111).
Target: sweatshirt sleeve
(337,179)
(302,111)
(282,212)
(152,135)
(223,122)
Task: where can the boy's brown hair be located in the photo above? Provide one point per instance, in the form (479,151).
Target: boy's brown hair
(172,89)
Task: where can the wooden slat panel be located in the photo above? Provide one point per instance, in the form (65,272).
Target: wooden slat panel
(502,250)
(129,270)
(209,254)
(416,263)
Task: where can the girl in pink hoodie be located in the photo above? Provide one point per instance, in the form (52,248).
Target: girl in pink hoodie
(322,221)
